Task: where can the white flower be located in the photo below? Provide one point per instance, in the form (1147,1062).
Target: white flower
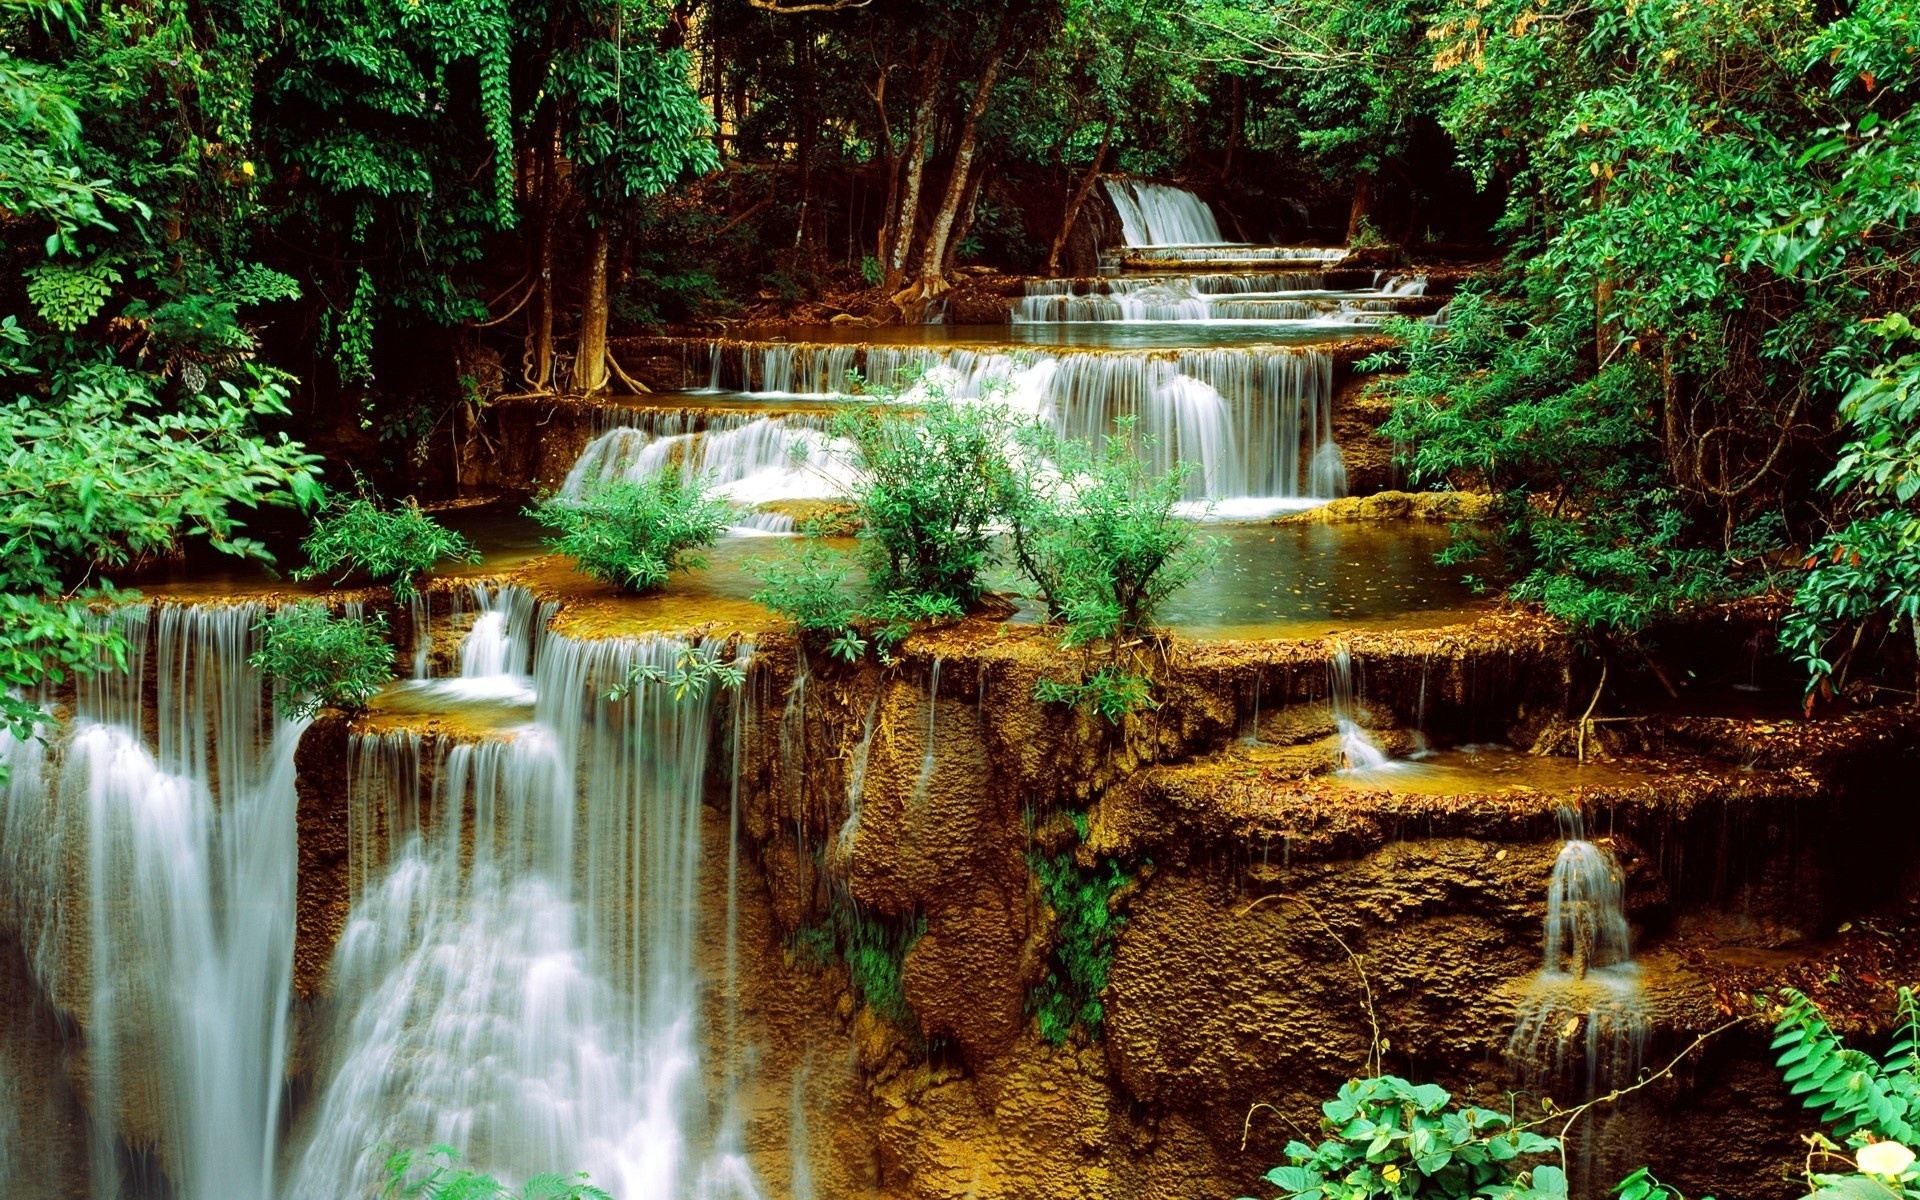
(1883,1158)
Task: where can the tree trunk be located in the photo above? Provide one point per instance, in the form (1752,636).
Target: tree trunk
(1362,209)
(916,166)
(934,259)
(590,349)
(541,376)
(1233,130)
(1080,195)
(975,186)
(891,154)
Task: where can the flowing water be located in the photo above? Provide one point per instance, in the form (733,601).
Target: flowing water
(151,857)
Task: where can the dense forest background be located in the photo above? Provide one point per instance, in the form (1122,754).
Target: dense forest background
(247,236)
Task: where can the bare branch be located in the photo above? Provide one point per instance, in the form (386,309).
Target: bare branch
(831,6)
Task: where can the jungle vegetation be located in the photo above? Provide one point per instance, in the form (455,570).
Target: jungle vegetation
(247,236)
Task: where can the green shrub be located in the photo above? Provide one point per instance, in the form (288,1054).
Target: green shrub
(431,1174)
(1112,692)
(1085,930)
(929,492)
(389,546)
(319,660)
(1863,1101)
(811,587)
(634,535)
(1388,1137)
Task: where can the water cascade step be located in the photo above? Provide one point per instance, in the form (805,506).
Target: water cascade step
(1156,214)
(519,971)
(1256,421)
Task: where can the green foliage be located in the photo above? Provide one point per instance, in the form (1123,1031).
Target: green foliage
(1098,534)
(927,492)
(1641,1185)
(1112,692)
(811,587)
(1388,1137)
(1864,1102)
(433,1174)
(872,947)
(391,546)
(1086,928)
(46,641)
(320,660)
(692,673)
(634,535)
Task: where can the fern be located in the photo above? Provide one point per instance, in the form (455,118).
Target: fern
(1849,1090)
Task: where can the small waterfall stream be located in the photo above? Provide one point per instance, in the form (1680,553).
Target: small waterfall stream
(1157,214)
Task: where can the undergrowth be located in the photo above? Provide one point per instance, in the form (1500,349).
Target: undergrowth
(320,660)
(1086,928)
(872,948)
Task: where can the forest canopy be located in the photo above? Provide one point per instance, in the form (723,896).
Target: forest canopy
(247,236)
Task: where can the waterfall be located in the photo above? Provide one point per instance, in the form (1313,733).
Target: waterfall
(1358,751)
(1156,214)
(922,781)
(1583,1024)
(521,978)
(1255,421)
(857,780)
(176,942)
(752,459)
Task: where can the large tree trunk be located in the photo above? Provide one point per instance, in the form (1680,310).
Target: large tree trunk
(964,226)
(1080,195)
(891,155)
(590,349)
(909,213)
(1234,130)
(934,259)
(1362,211)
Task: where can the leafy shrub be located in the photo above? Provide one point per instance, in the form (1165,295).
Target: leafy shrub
(1388,1137)
(874,951)
(1112,692)
(634,535)
(811,587)
(1866,1103)
(928,493)
(1098,535)
(390,546)
(441,1179)
(1085,928)
(318,659)
(694,670)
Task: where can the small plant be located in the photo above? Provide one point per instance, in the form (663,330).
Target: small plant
(634,535)
(1113,692)
(1388,1137)
(391,546)
(873,949)
(1872,1107)
(432,1174)
(872,271)
(1085,929)
(1099,534)
(691,674)
(929,491)
(811,588)
(320,660)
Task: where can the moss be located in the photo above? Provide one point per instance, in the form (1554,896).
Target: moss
(871,947)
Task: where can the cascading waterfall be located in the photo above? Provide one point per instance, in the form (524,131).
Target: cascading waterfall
(177,944)
(1358,751)
(752,459)
(1256,421)
(520,979)
(1269,298)
(1583,1026)
(1157,214)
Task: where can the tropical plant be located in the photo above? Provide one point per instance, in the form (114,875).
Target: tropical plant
(1388,1137)
(434,1174)
(635,535)
(873,949)
(1098,532)
(694,670)
(317,660)
(1873,1107)
(390,546)
(1086,926)
(1112,692)
(811,587)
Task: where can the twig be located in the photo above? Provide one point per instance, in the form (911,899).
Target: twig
(1586,718)
(1374,1053)
(1575,1113)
